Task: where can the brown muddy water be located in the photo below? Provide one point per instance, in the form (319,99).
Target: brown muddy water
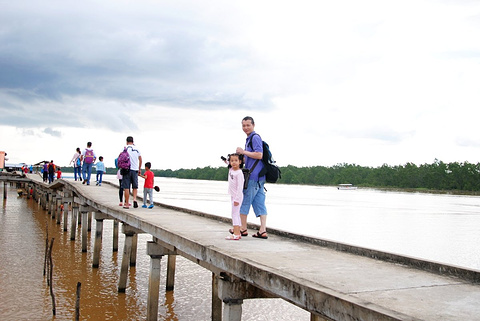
(24,293)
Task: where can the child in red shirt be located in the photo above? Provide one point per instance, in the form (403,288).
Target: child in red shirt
(148,186)
(59,173)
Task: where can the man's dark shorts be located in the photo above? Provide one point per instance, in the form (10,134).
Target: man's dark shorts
(130,178)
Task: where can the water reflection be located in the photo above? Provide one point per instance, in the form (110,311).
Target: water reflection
(24,294)
(442,228)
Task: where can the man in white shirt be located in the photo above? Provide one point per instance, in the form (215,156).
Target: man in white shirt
(131,178)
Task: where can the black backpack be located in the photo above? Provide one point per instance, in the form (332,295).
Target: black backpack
(270,169)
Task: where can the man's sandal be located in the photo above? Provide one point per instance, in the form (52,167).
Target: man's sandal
(262,235)
(243,233)
(233,237)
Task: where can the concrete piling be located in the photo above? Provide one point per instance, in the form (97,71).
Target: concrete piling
(127,250)
(73,225)
(115,236)
(84,214)
(156,253)
(99,217)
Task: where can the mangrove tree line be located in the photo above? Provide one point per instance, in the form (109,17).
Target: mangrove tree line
(461,176)
(455,176)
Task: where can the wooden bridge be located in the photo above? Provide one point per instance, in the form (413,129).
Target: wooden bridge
(332,281)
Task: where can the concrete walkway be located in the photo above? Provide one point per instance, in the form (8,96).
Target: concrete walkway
(330,283)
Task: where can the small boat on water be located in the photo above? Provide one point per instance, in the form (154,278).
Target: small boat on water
(346,187)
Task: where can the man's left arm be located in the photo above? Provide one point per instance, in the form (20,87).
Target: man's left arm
(139,164)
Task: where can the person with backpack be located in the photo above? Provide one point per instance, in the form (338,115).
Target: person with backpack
(88,158)
(254,195)
(51,172)
(77,164)
(130,167)
(45,171)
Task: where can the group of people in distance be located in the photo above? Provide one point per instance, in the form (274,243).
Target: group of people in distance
(242,199)
(83,162)
(49,170)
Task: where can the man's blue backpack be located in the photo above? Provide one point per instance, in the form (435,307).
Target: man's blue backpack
(270,169)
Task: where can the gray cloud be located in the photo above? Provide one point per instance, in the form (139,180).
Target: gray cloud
(142,54)
(52,132)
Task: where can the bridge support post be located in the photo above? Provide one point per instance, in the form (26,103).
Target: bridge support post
(232,291)
(59,212)
(133,254)
(99,217)
(79,220)
(65,216)
(66,199)
(171,264)
(156,252)
(127,254)
(89,218)
(115,236)
(44,199)
(53,206)
(84,211)
(127,250)
(73,227)
(49,202)
(5,190)
(216,302)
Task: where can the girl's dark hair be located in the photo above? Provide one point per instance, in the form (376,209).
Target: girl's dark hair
(240,157)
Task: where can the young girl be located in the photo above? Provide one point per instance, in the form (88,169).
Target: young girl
(235,189)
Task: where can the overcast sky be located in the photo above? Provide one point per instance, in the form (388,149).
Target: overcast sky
(327,82)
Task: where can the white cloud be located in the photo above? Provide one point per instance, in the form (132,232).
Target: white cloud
(327,82)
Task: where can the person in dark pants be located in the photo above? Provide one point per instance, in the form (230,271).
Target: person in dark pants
(51,172)
(120,178)
(45,172)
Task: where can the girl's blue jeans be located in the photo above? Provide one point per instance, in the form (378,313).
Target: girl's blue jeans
(77,170)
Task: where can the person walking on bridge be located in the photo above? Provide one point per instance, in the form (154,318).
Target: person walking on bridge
(51,172)
(77,164)
(131,177)
(88,158)
(254,195)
